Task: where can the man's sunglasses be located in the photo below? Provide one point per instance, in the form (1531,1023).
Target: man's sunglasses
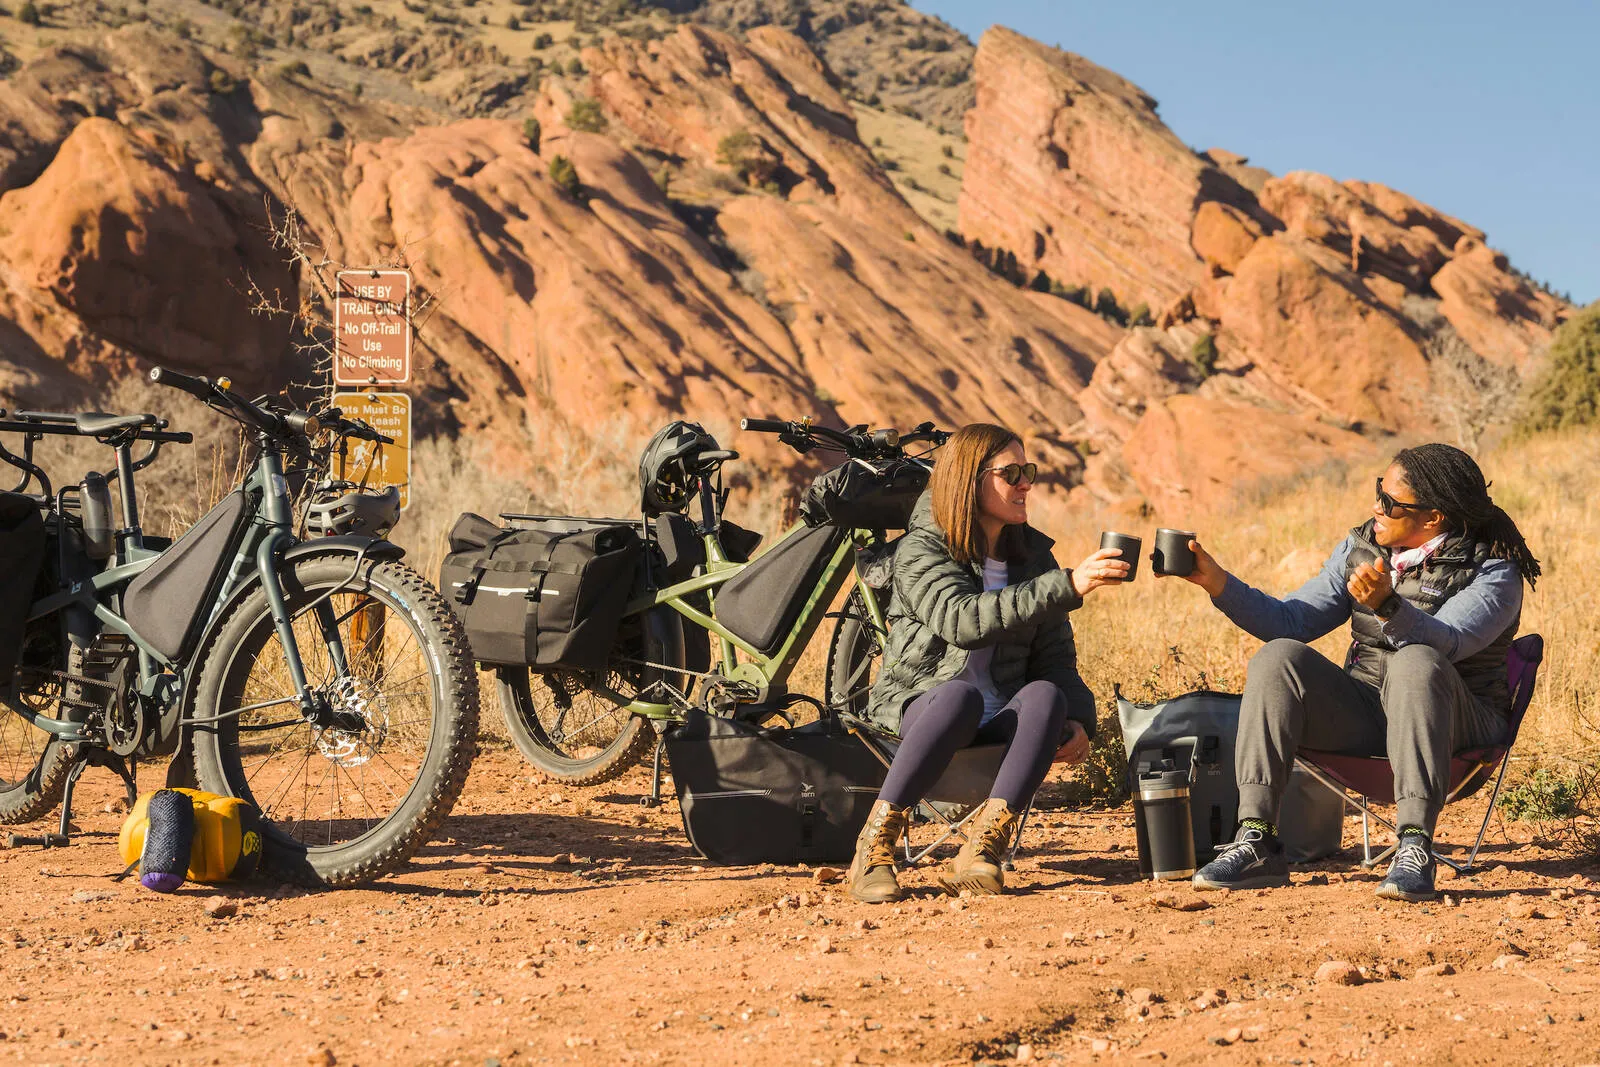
(1390,505)
(1012,473)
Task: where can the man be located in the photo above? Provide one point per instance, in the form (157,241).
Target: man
(1432,586)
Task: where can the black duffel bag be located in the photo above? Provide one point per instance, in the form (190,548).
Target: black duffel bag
(858,496)
(752,795)
(546,594)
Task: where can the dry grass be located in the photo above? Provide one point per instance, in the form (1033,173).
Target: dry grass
(917,150)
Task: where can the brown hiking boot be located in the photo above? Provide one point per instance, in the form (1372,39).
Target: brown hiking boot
(872,871)
(977,867)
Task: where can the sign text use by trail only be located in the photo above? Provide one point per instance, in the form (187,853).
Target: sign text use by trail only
(372,327)
(373,464)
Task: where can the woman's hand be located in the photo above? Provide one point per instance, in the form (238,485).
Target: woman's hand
(1075,749)
(1207,574)
(1371,584)
(1102,568)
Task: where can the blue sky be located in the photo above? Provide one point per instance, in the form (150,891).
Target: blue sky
(1489,111)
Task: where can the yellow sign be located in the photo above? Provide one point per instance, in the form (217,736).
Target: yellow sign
(370,463)
(372,327)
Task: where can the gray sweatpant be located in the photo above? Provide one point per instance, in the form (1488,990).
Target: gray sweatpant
(1294,697)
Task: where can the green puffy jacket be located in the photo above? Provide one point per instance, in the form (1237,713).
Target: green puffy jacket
(940,613)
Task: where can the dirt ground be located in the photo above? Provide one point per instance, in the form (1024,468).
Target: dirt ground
(557,925)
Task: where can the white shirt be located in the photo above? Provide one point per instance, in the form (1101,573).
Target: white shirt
(995,577)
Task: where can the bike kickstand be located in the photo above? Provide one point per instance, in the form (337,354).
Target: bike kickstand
(654,799)
(62,838)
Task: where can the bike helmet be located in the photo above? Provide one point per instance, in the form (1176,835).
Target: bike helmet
(343,508)
(666,472)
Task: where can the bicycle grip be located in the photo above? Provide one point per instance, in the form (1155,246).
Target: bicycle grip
(764,425)
(199,388)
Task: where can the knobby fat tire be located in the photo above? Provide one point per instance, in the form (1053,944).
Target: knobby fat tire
(631,744)
(39,792)
(452,736)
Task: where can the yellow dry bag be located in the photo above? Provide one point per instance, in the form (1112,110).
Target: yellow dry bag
(176,833)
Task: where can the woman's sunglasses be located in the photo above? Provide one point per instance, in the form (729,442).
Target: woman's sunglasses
(1012,473)
(1390,505)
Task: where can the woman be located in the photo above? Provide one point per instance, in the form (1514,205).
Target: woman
(979,652)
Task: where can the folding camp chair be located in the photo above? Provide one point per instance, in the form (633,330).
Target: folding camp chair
(955,798)
(1362,781)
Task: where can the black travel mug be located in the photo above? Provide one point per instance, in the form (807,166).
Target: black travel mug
(1172,555)
(1162,822)
(1130,546)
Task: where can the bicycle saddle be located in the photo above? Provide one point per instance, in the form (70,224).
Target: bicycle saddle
(95,423)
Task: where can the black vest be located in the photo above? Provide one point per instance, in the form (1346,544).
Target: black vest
(1448,571)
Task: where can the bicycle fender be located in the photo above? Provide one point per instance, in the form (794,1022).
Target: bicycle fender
(178,741)
(345,545)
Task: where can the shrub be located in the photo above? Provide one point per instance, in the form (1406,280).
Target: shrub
(1041,283)
(513,22)
(1140,315)
(28,13)
(1567,392)
(293,68)
(745,153)
(543,41)
(888,164)
(1105,305)
(1203,356)
(944,168)
(1073,294)
(575,67)
(532,132)
(183,28)
(1543,796)
(565,176)
(948,152)
(222,81)
(585,115)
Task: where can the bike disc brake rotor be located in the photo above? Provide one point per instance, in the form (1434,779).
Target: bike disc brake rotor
(355,696)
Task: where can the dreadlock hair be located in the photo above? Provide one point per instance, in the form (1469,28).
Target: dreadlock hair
(1449,481)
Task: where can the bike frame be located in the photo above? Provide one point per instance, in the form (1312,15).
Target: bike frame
(268,533)
(759,668)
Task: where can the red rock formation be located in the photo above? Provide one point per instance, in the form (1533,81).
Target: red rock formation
(1501,316)
(1069,167)
(1223,235)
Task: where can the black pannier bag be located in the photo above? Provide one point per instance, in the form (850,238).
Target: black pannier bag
(170,600)
(750,795)
(855,495)
(546,593)
(22,546)
(759,604)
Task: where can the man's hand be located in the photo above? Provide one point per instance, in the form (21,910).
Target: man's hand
(1207,574)
(1075,749)
(1371,584)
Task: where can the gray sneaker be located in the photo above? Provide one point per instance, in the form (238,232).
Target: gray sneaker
(1253,860)
(1411,871)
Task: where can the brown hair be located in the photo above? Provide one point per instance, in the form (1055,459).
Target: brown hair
(955,486)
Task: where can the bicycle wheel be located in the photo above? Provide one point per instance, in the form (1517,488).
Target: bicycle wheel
(853,657)
(33,767)
(346,804)
(569,727)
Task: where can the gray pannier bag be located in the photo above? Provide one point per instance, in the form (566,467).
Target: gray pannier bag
(1199,729)
(547,593)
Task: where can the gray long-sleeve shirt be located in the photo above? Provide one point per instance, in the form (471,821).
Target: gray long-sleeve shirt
(1465,624)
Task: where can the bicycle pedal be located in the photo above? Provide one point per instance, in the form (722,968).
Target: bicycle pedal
(37,841)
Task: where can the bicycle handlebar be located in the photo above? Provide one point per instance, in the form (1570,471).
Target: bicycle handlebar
(333,419)
(860,443)
(290,424)
(199,388)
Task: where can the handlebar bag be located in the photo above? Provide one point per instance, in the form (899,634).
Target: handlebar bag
(546,594)
(855,495)
(750,795)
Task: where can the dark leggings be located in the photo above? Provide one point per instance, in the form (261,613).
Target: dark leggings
(945,719)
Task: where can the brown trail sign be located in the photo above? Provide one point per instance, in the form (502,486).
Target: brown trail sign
(372,327)
(372,464)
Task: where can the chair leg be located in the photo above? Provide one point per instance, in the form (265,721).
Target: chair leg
(1494,797)
(1366,837)
(1016,838)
